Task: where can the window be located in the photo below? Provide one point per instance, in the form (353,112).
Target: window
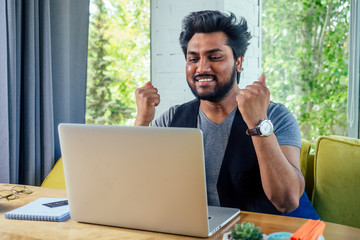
(305,58)
(118,59)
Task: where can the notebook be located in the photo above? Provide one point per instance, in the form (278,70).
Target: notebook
(139,177)
(42,209)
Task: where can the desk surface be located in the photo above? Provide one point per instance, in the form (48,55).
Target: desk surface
(20,229)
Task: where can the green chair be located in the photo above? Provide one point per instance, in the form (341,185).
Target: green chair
(55,179)
(336,195)
(307,166)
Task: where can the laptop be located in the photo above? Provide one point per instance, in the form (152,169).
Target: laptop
(144,178)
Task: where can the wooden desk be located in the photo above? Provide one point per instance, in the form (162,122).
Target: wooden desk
(20,229)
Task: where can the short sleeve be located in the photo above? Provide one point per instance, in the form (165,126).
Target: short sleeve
(165,119)
(286,128)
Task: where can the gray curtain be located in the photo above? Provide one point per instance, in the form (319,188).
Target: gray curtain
(43,62)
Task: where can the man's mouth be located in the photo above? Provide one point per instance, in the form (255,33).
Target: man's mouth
(205,78)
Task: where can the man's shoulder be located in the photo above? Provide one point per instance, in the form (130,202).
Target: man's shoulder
(286,128)
(190,102)
(276,110)
(274,106)
(167,117)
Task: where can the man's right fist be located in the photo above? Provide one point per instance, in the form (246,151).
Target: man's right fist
(147,98)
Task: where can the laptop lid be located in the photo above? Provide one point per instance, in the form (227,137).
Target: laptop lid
(136,177)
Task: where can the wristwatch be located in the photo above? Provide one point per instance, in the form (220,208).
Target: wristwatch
(264,128)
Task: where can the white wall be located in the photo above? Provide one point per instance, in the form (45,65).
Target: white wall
(167,59)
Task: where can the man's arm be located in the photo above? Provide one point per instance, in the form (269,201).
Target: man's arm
(280,172)
(147,98)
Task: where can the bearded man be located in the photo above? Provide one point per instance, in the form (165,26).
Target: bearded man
(252,145)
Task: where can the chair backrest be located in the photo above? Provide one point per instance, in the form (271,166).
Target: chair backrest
(56,178)
(336,195)
(307,166)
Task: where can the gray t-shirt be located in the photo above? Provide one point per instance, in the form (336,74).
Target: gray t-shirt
(216,137)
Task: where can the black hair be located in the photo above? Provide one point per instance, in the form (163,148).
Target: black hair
(214,21)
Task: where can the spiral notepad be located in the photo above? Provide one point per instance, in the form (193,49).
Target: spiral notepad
(42,209)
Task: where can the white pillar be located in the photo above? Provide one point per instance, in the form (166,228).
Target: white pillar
(354,71)
(167,59)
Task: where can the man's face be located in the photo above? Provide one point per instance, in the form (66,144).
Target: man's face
(210,66)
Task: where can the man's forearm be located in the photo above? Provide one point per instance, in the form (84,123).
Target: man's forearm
(280,172)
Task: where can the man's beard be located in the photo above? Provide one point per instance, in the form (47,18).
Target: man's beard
(219,92)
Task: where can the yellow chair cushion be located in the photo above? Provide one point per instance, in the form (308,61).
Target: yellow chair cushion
(307,166)
(56,178)
(336,195)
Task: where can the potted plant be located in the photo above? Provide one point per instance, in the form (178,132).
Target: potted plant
(246,231)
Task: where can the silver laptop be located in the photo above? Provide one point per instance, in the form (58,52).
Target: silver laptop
(139,177)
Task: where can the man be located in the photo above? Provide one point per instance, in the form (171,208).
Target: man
(248,165)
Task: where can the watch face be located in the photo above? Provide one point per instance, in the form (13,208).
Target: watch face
(266,127)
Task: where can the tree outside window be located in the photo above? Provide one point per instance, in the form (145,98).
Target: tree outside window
(305,58)
(118,59)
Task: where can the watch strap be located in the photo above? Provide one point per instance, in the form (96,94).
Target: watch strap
(253,132)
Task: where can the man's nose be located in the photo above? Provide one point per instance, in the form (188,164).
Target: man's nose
(203,66)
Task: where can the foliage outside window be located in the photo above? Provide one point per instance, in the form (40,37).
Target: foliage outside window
(305,59)
(118,59)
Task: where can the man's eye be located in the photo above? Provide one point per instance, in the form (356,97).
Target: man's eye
(193,60)
(215,58)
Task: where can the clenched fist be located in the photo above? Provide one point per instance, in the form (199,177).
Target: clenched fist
(147,98)
(253,102)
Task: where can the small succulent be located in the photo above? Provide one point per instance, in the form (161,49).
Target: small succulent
(246,231)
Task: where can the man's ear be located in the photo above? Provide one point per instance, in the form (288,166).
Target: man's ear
(238,63)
